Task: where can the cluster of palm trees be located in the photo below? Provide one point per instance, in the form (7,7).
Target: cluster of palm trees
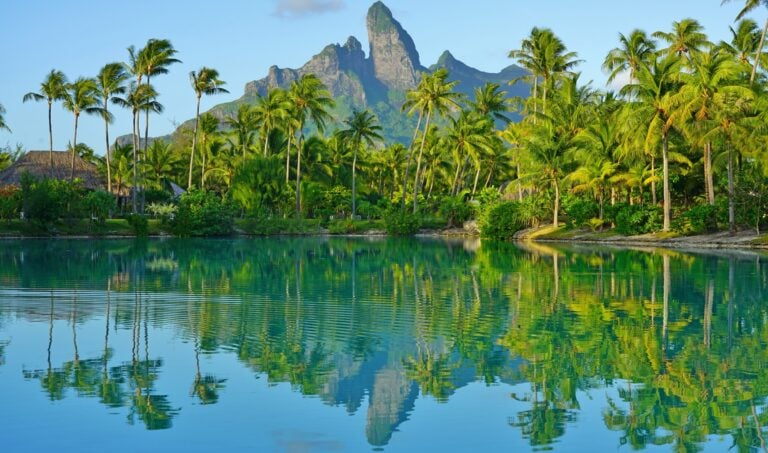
(688,101)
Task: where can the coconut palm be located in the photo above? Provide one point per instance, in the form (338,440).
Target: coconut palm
(530,57)
(467,136)
(633,50)
(311,100)
(138,98)
(204,81)
(3,124)
(361,128)
(654,89)
(433,96)
(52,89)
(750,5)
(687,37)
(154,59)
(81,96)
(492,102)
(243,124)
(745,39)
(161,162)
(110,81)
(269,112)
(209,127)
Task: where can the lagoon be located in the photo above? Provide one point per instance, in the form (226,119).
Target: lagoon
(360,344)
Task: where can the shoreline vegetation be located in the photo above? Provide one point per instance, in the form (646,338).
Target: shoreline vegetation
(674,156)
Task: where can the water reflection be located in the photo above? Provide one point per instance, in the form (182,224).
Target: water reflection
(678,338)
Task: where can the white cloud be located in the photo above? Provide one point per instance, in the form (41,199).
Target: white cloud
(296,8)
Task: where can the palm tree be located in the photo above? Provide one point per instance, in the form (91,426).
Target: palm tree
(467,136)
(530,57)
(209,126)
(361,127)
(138,98)
(433,96)
(82,95)
(204,81)
(744,42)
(161,162)
(52,89)
(687,37)
(654,90)
(269,111)
(311,101)
(3,124)
(714,78)
(634,49)
(154,59)
(750,5)
(110,82)
(490,101)
(243,124)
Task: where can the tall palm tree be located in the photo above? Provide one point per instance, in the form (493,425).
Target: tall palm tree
(52,89)
(750,5)
(110,81)
(269,111)
(243,124)
(82,96)
(154,59)
(361,128)
(433,96)
(654,89)
(204,81)
(467,135)
(686,38)
(491,101)
(161,162)
(3,124)
(633,50)
(530,56)
(311,101)
(209,126)
(745,39)
(138,98)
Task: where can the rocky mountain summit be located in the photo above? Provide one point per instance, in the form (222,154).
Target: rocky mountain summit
(380,80)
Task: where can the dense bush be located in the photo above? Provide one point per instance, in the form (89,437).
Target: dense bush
(99,204)
(580,212)
(697,220)
(502,221)
(634,219)
(163,211)
(268,226)
(400,223)
(203,213)
(349,226)
(10,203)
(43,201)
(455,210)
(139,224)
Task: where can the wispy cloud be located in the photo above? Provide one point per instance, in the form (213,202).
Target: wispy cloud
(297,8)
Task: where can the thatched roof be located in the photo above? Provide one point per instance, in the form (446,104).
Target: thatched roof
(37,164)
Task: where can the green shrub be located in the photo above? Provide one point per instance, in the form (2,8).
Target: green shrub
(634,219)
(138,224)
(502,221)
(697,220)
(42,200)
(399,223)
(270,226)
(455,210)
(10,203)
(349,226)
(580,212)
(100,205)
(163,211)
(203,213)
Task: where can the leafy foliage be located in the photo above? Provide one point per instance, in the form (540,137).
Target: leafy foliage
(503,220)
(203,213)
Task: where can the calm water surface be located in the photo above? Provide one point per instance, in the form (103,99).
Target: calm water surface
(328,344)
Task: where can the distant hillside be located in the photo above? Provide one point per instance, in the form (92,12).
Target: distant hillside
(380,80)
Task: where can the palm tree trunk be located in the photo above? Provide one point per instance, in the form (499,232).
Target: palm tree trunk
(266,143)
(106,138)
(418,163)
(410,157)
(354,182)
(557,201)
(288,158)
(758,54)
(731,207)
(204,154)
(667,195)
(298,173)
(535,96)
(194,143)
(519,185)
(708,179)
(50,139)
(653,180)
(74,151)
(456,176)
(477,177)
(134,127)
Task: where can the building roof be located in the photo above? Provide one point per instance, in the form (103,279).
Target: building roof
(37,164)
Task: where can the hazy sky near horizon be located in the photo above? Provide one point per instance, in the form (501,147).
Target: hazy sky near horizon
(243,38)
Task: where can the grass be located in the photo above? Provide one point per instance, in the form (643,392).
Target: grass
(76,227)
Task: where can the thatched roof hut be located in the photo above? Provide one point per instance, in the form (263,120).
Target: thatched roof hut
(37,164)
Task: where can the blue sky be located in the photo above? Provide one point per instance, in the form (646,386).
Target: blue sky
(242,38)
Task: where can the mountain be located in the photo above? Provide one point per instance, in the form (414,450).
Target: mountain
(380,80)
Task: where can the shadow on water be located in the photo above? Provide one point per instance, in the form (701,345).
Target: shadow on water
(375,324)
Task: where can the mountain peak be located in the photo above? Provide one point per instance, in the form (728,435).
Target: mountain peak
(393,53)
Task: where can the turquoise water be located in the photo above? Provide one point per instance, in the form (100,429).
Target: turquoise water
(333,344)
